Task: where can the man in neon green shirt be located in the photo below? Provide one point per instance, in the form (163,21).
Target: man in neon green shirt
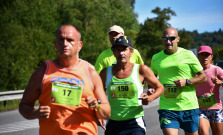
(176,68)
(106,58)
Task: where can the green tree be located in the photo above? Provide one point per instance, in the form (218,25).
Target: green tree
(212,39)
(186,41)
(28,32)
(96,17)
(149,37)
(26,39)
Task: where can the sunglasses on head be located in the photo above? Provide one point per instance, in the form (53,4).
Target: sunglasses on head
(169,38)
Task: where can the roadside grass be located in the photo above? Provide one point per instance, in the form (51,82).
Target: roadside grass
(11,105)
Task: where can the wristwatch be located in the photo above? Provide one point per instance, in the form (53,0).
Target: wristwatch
(188,82)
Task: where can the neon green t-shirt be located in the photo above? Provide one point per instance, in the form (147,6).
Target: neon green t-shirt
(181,65)
(106,59)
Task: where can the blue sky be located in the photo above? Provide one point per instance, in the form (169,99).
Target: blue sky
(200,15)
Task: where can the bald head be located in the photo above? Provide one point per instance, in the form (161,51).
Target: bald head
(170,40)
(71,27)
(170,32)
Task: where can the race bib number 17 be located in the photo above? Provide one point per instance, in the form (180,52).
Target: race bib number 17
(66,94)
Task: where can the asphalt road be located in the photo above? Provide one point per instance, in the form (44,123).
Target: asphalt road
(12,123)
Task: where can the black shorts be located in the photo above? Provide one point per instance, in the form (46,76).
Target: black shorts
(128,127)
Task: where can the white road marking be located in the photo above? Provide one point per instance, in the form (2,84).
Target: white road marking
(19,126)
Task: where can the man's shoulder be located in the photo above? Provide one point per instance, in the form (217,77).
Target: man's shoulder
(156,58)
(135,50)
(157,54)
(183,50)
(105,59)
(187,54)
(136,57)
(88,63)
(106,53)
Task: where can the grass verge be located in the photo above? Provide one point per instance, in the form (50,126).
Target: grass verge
(11,105)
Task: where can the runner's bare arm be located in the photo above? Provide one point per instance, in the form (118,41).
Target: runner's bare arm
(147,75)
(198,79)
(104,110)
(103,76)
(31,94)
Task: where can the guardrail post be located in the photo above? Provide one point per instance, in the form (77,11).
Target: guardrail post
(5,103)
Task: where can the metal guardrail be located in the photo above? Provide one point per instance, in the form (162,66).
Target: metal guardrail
(10,95)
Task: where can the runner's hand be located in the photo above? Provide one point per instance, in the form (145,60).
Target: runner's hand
(102,123)
(145,99)
(215,80)
(43,112)
(180,82)
(92,102)
(150,91)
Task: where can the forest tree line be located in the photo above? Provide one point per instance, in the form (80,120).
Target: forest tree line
(28,33)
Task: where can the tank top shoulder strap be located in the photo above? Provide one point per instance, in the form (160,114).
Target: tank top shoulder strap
(135,75)
(87,71)
(108,75)
(135,71)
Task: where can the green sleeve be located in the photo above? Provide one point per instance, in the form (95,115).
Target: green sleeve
(152,66)
(105,59)
(194,63)
(138,58)
(99,64)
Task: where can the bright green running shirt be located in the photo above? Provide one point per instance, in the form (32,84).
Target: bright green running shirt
(106,59)
(181,65)
(123,95)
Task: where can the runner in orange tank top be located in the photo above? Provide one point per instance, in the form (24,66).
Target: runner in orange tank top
(68,90)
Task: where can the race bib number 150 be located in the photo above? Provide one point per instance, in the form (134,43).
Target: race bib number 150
(122,90)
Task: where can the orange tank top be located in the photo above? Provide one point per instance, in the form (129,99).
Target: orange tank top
(67,119)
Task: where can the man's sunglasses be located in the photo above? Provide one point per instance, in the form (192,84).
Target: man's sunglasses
(169,38)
